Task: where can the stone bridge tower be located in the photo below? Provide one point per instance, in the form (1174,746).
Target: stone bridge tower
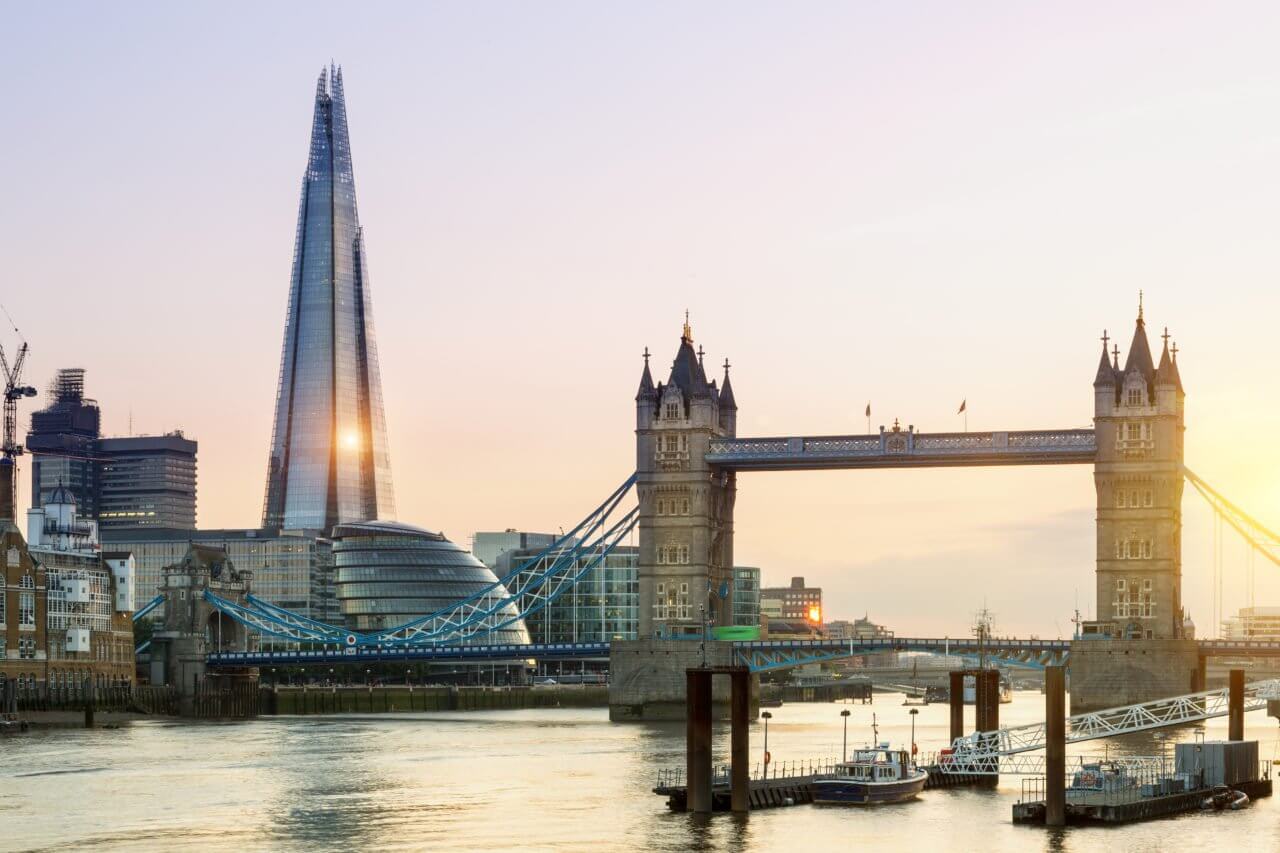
(1137,650)
(686,507)
(1138,418)
(192,627)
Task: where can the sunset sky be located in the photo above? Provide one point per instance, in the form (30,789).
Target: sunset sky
(907,204)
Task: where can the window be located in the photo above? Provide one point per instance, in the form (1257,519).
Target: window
(1119,499)
(673,410)
(670,443)
(1148,498)
(1133,431)
(1146,584)
(27,611)
(27,582)
(1134,396)
(684,506)
(1133,549)
(1120,585)
(1133,498)
(662,507)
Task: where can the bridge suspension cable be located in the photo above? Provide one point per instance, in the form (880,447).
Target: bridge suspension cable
(1255,532)
(532,586)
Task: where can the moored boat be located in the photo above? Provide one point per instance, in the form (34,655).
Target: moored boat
(874,776)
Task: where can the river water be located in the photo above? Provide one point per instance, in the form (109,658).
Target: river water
(551,780)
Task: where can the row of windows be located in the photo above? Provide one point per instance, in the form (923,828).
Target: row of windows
(1131,498)
(671,602)
(1122,585)
(1133,549)
(1126,608)
(669,506)
(673,555)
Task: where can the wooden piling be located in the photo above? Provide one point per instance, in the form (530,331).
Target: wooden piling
(957,704)
(740,743)
(1235,705)
(698,739)
(1055,743)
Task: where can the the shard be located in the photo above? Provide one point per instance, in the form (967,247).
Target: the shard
(329,458)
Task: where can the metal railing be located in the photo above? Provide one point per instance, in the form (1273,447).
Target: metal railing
(674,777)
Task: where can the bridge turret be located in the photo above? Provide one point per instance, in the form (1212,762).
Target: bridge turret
(686,507)
(1138,421)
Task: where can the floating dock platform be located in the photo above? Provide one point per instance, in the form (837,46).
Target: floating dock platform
(794,789)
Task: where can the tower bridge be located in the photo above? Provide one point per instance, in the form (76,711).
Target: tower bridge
(688,458)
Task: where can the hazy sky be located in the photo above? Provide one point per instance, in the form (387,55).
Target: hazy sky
(910,204)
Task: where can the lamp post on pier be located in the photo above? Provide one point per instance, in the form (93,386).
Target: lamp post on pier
(914,711)
(767,717)
(844,748)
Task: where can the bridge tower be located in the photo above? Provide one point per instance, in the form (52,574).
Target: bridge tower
(686,542)
(686,507)
(1138,419)
(1137,649)
(192,627)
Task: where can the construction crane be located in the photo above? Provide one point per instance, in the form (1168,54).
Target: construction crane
(14,391)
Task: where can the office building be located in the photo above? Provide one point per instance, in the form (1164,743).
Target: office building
(329,462)
(135,482)
(62,443)
(388,573)
(489,546)
(604,605)
(1258,624)
(796,602)
(290,570)
(746,596)
(147,481)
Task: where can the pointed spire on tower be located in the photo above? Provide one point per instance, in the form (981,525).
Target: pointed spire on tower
(726,391)
(647,390)
(1106,374)
(1164,372)
(1177,377)
(1139,350)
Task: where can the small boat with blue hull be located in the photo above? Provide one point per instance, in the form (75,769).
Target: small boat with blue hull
(875,775)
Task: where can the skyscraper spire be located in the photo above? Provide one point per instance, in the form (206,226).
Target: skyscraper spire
(329,460)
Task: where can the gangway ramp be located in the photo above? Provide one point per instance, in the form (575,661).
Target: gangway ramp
(982,752)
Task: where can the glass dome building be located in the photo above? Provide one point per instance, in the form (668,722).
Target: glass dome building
(388,573)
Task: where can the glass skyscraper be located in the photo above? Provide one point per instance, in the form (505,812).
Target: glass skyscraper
(329,457)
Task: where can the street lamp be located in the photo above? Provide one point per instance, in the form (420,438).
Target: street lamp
(767,717)
(914,711)
(844,749)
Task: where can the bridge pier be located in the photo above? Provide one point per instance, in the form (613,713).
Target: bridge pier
(647,679)
(1107,673)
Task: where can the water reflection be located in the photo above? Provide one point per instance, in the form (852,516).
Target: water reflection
(555,779)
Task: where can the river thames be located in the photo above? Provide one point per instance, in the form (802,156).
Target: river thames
(550,780)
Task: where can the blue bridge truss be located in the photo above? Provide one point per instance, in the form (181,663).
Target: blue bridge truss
(459,632)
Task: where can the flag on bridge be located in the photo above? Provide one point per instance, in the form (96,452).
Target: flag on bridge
(868,410)
(963,406)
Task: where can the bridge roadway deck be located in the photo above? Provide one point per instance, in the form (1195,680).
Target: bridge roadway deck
(896,449)
(758,655)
